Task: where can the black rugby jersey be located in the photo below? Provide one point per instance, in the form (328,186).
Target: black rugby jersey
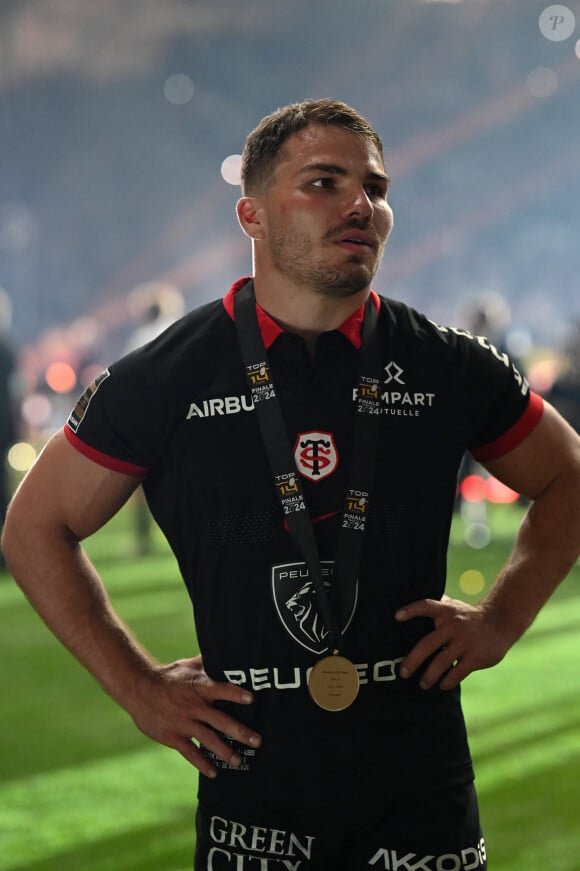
(178,412)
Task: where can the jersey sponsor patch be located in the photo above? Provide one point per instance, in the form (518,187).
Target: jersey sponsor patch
(315,454)
(83,401)
(297,606)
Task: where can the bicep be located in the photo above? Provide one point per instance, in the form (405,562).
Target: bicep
(551,449)
(66,490)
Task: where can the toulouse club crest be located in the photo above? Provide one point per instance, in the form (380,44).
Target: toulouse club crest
(315,455)
(297,605)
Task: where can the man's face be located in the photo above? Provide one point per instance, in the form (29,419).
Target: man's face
(325,211)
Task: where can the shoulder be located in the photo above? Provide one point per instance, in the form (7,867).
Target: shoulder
(417,332)
(154,381)
(184,350)
(416,325)
(455,343)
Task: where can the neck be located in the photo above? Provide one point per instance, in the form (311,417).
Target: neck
(304,311)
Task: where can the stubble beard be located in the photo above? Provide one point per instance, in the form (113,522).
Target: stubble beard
(295,259)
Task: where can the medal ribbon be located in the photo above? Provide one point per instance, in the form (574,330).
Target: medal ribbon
(332,606)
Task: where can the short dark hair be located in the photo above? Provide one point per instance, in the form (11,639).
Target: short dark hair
(265,143)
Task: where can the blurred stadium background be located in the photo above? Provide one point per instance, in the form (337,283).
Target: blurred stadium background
(120,130)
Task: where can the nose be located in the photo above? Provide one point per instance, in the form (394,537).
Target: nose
(357,204)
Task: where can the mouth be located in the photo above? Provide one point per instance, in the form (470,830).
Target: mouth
(357,240)
(356,244)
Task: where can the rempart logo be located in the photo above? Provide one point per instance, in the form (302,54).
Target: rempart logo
(393,373)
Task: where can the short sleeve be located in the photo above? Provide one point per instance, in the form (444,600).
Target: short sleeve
(501,408)
(116,420)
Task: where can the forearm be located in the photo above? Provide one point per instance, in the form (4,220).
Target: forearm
(470,637)
(546,548)
(546,467)
(64,588)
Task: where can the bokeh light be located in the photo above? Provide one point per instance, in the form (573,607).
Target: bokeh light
(543,373)
(21,456)
(499,493)
(477,535)
(542,82)
(231,169)
(477,488)
(36,409)
(472,582)
(472,488)
(60,377)
(179,89)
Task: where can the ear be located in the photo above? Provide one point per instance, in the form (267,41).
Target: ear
(251,217)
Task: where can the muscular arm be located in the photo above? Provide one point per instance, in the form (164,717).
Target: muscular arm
(546,468)
(63,499)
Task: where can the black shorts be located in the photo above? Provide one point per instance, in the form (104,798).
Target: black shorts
(437,832)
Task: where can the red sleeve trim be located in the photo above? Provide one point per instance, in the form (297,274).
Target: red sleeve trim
(104,459)
(515,435)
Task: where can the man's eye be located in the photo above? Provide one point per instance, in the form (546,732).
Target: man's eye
(323,182)
(375,190)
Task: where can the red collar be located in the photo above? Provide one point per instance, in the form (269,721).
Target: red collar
(351,328)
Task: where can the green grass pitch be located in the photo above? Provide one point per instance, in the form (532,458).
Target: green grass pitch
(81,788)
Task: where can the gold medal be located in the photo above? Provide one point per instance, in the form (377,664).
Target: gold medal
(334,683)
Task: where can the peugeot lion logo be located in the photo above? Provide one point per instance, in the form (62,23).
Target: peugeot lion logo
(297,603)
